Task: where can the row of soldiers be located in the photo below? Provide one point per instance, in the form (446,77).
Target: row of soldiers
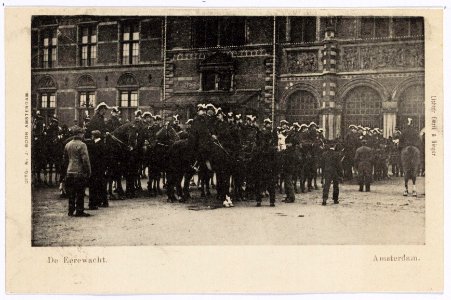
(261,150)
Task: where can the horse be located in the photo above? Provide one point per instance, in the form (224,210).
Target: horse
(54,157)
(123,144)
(410,159)
(39,159)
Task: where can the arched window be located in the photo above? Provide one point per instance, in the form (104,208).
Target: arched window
(128,101)
(302,107)
(47,103)
(363,106)
(86,96)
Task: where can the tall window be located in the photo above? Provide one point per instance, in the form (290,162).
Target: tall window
(47,105)
(86,103)
(408,26)
(130,43)
(49,43)
(303,29)
(88,46)
(218,31)
(129,99)
(372,27)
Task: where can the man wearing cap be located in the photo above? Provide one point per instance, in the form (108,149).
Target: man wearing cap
(291,163)
(266,163)
(114,121)
(202,133)
(53,129)
(97,183)
(363,160)
(126,136)
(176,124)
(98,120)
(78,171)
(249,140)
(333,172)
(351,145)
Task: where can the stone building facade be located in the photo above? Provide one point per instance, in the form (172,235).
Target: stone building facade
(335,71)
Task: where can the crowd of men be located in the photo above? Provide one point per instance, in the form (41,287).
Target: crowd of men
(259,155)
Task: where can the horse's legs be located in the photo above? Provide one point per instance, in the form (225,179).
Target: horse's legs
(170,180)
(295,183)
(51,173)
(178,186)
(207,180)
(406,183)
(414,188)
(186,183)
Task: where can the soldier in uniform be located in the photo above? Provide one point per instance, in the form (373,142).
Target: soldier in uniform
(410,136)
(249,140)
(266,163)
(363,162)
(127,134)
(291,163)
(333,172)
(202,133)
(114,122)
(98,120)
(351,143)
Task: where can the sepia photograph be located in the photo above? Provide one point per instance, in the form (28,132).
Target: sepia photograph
(159,150)
(288,130)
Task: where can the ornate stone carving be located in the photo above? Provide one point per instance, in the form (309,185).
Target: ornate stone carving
(47,82)
(302,62)
(390,56)
(86,81)
(195,55)
(187,85)
(127,80)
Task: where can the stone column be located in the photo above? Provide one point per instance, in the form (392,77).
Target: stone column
(389,109)
(328,112)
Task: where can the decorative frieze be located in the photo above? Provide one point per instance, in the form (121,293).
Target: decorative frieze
(302,61)
(197,55)
(388,56)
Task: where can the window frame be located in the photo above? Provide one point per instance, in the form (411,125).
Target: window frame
(132,43)
(129,99)
(91,46)
(49,47)
(303,30)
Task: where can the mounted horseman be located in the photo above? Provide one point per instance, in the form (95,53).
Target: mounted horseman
(98,121)
(410,145)
(351,144)
(38,149)
(114,167)
(54,149)
(203,129)
(267,142)
(123,143)
(154,155)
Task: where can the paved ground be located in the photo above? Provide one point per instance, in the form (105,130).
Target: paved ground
(382,216)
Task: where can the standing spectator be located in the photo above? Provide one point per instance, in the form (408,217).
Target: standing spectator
(97,182)
(76,159)
(333,172)
(363,162)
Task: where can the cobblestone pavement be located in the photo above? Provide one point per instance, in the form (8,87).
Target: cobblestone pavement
(382,216)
